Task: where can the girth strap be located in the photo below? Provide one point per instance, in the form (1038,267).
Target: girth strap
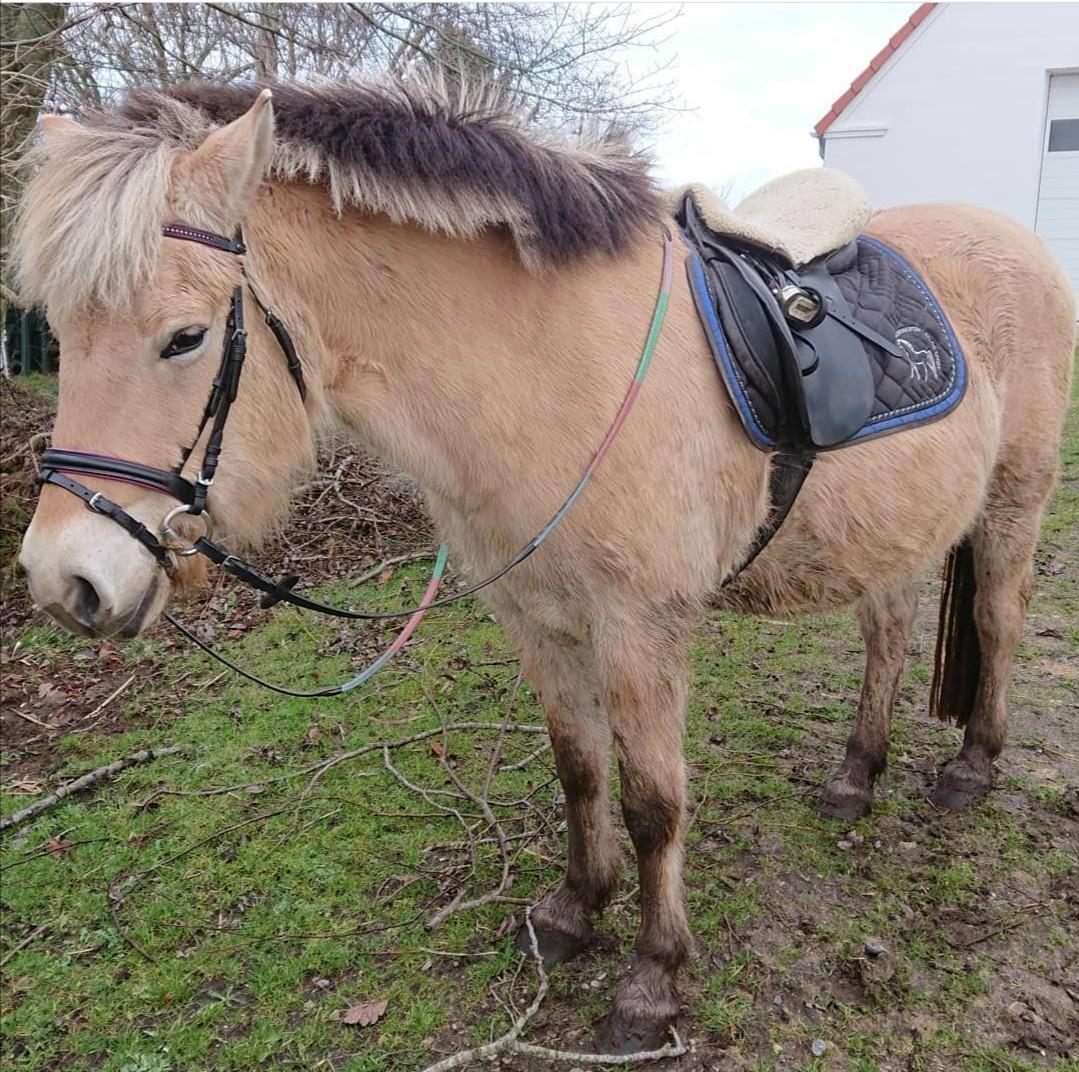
(786,474)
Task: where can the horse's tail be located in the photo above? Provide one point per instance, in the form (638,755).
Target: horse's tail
(957,665)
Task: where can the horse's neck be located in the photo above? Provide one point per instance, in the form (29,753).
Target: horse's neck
(451,361)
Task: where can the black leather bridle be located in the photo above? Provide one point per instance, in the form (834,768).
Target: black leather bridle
(57,464)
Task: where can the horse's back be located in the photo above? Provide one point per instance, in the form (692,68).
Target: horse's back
(1007,297)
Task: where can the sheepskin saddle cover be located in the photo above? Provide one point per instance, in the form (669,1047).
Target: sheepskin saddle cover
(800,216)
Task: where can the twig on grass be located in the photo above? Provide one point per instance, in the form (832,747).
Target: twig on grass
(50,850)
(23,944)
(321,766)
(388,563)
(85,782)
(108,699)
(114,900)
(33,718)
(510,1043)
(522,763)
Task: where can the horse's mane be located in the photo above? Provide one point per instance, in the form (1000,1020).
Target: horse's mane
(425,151)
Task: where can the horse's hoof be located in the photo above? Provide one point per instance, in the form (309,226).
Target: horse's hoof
(960,785)
(842,802)
(555,946)
(618,1036)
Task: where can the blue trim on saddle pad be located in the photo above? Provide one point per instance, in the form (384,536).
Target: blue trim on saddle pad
(885,294)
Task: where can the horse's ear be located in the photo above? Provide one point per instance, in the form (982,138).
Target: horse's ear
(222,175)
(54,130)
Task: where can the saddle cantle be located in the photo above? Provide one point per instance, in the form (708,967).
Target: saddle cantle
(820,355)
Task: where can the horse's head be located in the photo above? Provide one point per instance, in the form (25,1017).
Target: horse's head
(141,321)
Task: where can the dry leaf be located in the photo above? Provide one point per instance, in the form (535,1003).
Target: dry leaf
(437,747)
(51,693)
(254,788)
(55,846)
(25,785)
(364,1013)
(385,575)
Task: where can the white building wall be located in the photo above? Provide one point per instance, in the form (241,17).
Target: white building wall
(958,113)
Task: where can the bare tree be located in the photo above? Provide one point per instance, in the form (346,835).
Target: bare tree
(567,63)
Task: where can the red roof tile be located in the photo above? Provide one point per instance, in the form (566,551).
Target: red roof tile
(875,65)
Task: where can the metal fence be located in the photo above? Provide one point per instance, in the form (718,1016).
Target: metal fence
(28,345)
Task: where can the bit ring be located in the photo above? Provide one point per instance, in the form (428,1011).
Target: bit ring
(172,539)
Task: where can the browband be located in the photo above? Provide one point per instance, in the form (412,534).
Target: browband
(205,238)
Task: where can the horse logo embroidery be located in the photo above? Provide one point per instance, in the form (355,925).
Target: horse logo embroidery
(921,353)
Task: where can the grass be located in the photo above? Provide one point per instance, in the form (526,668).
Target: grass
(268,910)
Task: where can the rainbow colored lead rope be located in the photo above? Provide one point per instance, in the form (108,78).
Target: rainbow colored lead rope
(655,328)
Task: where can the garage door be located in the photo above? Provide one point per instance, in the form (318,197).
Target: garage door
(1058,193)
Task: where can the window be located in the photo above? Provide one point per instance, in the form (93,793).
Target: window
(1063,135)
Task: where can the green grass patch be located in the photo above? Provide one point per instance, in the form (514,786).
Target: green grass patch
(152,927)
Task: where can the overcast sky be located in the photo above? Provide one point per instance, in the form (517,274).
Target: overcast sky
(757,77)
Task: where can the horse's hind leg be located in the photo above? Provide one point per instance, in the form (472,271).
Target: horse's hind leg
(886,619)
(1003,543)
(564,676)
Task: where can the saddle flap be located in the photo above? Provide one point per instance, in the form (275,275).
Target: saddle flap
(838,386)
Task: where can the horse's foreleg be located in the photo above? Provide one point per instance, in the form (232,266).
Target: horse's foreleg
(886,619)
(646,710)
(565,678)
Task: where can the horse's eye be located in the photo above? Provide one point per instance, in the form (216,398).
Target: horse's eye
(183,342)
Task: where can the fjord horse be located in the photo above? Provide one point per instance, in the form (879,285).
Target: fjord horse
(469,299)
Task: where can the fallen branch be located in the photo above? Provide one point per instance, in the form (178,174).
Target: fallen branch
(459,904)
(85,782)
(509,1042)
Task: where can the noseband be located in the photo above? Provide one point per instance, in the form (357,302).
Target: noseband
(57,464)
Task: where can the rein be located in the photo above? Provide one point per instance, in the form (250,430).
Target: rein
(58,463)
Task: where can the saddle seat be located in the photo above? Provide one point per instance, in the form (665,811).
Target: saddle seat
(800,216)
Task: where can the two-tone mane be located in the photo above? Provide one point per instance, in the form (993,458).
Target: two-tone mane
(425,152)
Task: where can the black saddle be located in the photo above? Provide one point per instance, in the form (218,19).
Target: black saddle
(815,358)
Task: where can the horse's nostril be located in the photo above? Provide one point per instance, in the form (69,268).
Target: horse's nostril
(86,602)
